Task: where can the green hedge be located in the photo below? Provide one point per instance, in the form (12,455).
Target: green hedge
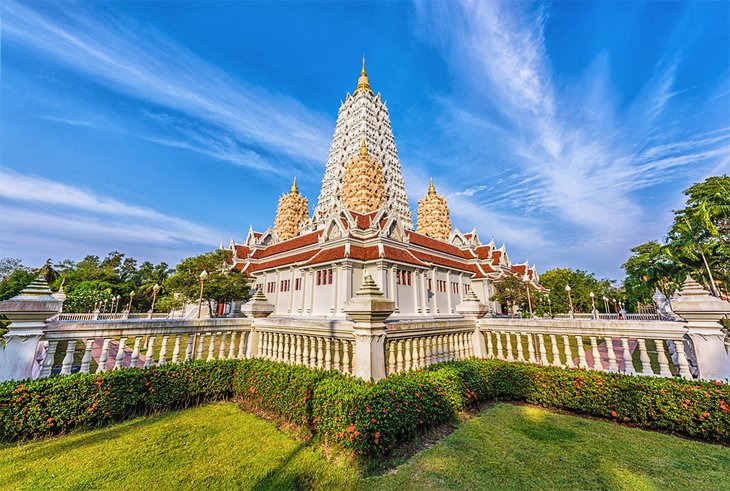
(366,419)
(49,406)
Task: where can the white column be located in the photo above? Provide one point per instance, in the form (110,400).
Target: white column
(449,305)
(434,290)
(424,293)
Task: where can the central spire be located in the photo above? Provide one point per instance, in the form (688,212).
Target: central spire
(363,83)
(363,148)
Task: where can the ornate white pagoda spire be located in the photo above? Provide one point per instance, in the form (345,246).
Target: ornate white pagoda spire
(363,115)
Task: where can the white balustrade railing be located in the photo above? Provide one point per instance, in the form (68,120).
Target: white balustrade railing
(88,316)
(648,348)
(315,350)
(414,345)
(604,316)
(111,345)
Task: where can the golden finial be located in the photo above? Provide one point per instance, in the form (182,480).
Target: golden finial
(363,148)
(363,83)
(431,189)
(294,189)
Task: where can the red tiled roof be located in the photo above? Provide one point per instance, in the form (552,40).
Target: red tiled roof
(483,252)
(438,245)
(444,262)
(242,251)
(291,244)
(496,257)
(293,258)
(363,221)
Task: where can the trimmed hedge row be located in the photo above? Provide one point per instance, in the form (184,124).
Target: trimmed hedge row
(367,419)
(50,406)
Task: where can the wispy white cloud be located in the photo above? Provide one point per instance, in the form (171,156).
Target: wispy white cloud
(579,155)
(38,211)
(138,61)
(68,121)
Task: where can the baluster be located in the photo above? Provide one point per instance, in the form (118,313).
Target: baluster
(682,359)
(305,351)
(582,363)
(556,352)
(399,356)
(242,346)
(428,345)
(543,351)
(286,341)
(222,348)
(149,357)
(176,349)
(490,348)
(47,366)
(391,357)
(336,357)
(469,344)
(510,354)
(312,352)
(291,355)
(422,363)
(449,347)
(628,361)
(189,347)
(662,357)
(86,360)
(269,348)
(327,354)
(68,358)
(443,348)
(500,352)
(232,347)
(278,347)
(346,356)
(407,358)
(597,364)
(520,353)
(644,357)
(135,352)
(211,346)
(298,353)
(119,360)
(460,346)
(163,351)
(612,365)
(201,344)
(320,352)
(530,349)
(568,353)
(103,357)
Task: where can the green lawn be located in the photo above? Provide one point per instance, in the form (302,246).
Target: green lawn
(218,446)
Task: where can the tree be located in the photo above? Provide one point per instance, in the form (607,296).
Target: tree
(8,265)
(223,284)
(650,267)
(511,291)
(15,282)
(581,284)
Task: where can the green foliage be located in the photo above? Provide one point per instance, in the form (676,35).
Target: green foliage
(697,244)
(14,283)
(50,406)
(222,284)
(366,419)
(89,294)
(582,284)
(511,292)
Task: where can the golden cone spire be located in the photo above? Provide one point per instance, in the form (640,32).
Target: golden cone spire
(433,215)
(363,185)
(363,148)
(363,83)
(293,210)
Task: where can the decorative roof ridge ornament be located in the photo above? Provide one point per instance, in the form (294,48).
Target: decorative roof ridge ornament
(363,84)
(294,189)
(363,148)
(431,188)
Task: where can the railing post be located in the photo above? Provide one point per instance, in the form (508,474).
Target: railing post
(258,307)
(473,309)
(25,348)
(703,313)
(369,308)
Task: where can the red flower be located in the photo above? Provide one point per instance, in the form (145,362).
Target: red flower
(351,428)
(613,414)
(377,435)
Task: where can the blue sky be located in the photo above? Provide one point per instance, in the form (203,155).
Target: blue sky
(566,130)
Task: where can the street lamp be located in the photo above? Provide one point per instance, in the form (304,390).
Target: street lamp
(550,306)
(570,299)
(593,306)
(116,304)
(131,296)
(105,301)
(154,297)
(605,303)
(526,279)
(203,276)
(615,306)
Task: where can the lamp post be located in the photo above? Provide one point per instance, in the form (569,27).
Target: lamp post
(116,304)
(203,276)
(570,300)
(605,304)
(526,279)
(593,306)
(615,306)
(154,297)
(105,301)
(550,306)
(131,296)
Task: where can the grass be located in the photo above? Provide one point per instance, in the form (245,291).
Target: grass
(523,447)
(218,446)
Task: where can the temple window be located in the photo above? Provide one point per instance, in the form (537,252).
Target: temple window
(298,284)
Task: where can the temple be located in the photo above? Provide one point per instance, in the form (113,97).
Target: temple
(362,224)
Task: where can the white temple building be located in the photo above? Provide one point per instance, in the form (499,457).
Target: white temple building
(311,265)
